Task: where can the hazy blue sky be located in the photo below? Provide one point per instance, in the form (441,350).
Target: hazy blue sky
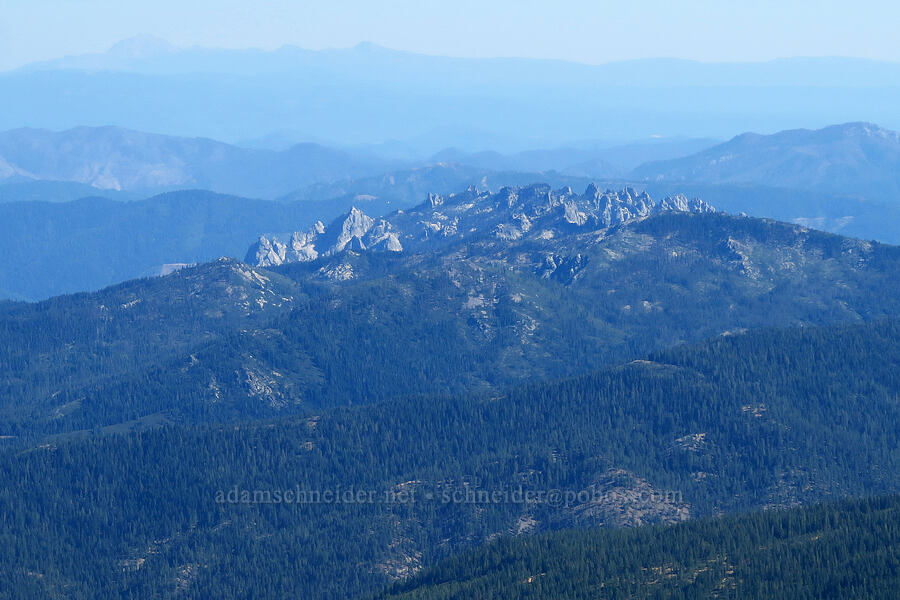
(586,31)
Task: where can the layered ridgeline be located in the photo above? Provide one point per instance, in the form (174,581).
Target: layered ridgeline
(765,419)
(113,158)
(469,292)
(845,550)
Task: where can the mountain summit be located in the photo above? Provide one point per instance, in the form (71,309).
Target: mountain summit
(353,231)
(140,46)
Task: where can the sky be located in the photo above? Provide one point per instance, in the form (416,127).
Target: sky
(588,31)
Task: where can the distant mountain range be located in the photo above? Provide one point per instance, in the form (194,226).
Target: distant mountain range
(63,165)
(611,162)
(857,159)
(368,95)
(112,158)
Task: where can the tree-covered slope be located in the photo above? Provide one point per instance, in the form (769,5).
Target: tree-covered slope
(763,419)
(55,350)
(848,550)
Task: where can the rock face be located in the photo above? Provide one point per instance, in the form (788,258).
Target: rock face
(354,231)
(266,252)
(510,214)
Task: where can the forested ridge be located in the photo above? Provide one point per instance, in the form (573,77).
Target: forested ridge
(847,549)
(767,418)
